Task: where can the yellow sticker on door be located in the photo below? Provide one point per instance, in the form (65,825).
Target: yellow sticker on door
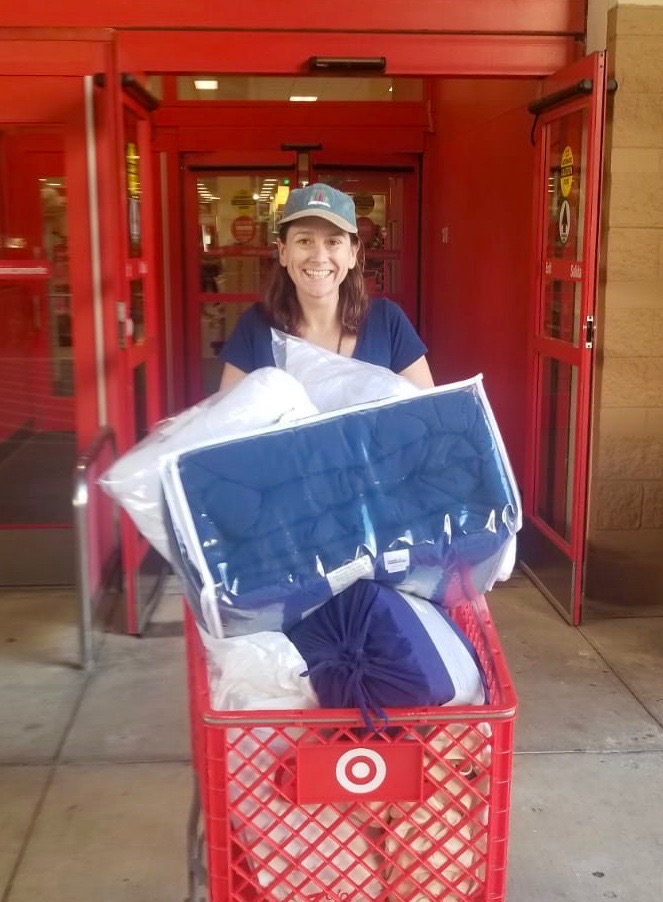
(566,174)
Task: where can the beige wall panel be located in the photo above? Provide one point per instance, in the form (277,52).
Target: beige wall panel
(636,159)
(638,457)
(619,505)
(634,332)
(652,506)
(615,421)
(636,199)
(625,567)
(654,421)
(624,562)
(634,255)
(633,294)
(636,20)
(637,62)
(637,120)
(632,382)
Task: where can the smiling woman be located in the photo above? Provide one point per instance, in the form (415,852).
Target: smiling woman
(317,292)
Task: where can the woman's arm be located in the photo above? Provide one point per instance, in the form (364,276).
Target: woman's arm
(230,375)
(419,373)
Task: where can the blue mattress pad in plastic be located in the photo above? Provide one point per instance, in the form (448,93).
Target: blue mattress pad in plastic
(416,492)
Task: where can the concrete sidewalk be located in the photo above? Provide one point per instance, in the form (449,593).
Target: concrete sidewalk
(95,776)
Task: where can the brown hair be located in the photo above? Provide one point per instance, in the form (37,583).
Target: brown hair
(283,308)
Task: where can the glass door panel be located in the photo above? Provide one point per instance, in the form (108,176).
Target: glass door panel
(386,207)
(37,393)
(144,568)
(567,165)
(234,250)
(570,143)
(562,310)
(557,446)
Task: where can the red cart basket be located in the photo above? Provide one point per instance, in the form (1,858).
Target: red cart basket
(292,806)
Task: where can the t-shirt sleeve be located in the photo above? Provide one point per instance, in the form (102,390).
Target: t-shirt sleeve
(249,346)
(406,346)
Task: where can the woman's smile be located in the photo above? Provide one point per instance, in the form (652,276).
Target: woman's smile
(318,256)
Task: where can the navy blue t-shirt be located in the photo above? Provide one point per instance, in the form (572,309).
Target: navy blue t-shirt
(386,338)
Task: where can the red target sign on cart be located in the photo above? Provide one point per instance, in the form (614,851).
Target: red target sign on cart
(373,771)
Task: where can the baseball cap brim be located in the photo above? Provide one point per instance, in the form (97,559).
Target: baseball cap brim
(320,214)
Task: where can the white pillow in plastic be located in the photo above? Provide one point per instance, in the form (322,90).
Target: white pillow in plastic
(264,397)
(256,672)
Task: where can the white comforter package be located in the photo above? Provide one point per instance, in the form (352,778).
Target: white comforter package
(264,397)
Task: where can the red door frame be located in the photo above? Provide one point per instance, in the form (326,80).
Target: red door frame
(483,17)
(122,354)
(542,347)
(258,52)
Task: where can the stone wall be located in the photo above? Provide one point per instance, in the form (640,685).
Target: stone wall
(625,554)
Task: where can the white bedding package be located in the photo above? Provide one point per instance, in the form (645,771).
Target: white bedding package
(264,397)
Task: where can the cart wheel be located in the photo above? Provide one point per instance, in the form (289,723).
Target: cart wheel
(196,851)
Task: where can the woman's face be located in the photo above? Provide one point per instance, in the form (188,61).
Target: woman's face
(318,256)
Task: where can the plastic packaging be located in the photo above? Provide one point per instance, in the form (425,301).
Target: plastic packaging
(333,382)
(264,397)
(415,492)
(260,671)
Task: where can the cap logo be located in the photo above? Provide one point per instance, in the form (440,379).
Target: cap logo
(319,199)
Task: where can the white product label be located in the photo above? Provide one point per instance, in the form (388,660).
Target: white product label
(348,574)
(396,561)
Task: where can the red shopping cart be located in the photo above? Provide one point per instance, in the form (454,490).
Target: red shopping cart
(311,806)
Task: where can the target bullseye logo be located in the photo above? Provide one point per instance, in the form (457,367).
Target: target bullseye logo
(361,770)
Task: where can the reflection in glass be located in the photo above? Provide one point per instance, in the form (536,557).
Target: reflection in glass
(133,183)
(237,216)
(562,310)
(554,487)
(378,200)
(37,413)
(256,87)
(217,321)
(53,200)
(140,401)
(567,153)
(137,310)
